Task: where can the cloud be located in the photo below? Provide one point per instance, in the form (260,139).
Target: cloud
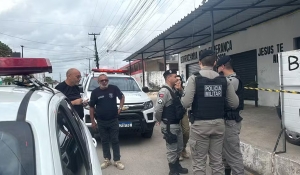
(58,29)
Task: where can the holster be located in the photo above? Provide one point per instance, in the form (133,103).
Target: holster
(233,115)
(168,136)
(191,116)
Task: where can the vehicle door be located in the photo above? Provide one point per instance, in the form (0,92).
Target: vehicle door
(73,149)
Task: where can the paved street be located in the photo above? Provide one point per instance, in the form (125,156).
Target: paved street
(143,156)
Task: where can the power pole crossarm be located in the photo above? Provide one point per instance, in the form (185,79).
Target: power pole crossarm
(96,52)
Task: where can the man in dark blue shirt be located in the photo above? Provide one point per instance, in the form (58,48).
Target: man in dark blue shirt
(107,112)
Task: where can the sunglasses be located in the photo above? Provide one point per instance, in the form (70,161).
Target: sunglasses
(78,76)
(105,80)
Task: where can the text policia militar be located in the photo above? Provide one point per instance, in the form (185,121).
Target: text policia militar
(213,91)
(220,50)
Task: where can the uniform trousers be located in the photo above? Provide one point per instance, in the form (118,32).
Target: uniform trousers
(174,149)
(232,156)
(206,138)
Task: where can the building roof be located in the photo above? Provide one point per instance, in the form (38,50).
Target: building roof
(230,16)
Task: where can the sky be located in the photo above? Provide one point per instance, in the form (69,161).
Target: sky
(58,29)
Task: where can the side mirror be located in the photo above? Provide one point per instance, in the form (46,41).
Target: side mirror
(80,89)
(145,89)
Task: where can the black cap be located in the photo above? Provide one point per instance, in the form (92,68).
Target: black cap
(206,53)
(223,60)
(171,71)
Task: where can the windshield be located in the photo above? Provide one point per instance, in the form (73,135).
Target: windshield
(123,83)
(17,156)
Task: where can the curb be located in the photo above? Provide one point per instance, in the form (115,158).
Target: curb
(263,162)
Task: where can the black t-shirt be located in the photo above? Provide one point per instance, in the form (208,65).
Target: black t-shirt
(106,102)
(72,93)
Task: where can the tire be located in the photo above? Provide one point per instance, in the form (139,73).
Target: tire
(148,134)
(291,140)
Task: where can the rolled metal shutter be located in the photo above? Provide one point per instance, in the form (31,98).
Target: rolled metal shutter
(192,68)
(245,66)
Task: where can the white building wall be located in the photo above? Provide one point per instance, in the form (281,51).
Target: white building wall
(277,33)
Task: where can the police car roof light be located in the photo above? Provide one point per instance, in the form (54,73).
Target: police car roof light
(24,66)
(110,70)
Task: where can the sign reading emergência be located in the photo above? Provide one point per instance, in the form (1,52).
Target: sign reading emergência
(220,49)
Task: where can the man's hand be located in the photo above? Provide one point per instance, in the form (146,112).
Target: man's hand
(119,111)
(77,101)
(86,102)
(94,125)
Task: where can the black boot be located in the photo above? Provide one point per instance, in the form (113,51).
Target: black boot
(227,171)
(180,169)
(173,170)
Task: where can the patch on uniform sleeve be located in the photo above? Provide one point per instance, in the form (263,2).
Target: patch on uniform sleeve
(159,101)
(161,95)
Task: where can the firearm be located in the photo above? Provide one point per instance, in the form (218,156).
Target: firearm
(168,136)
(191,116)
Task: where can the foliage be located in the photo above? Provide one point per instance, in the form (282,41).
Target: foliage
(5,51)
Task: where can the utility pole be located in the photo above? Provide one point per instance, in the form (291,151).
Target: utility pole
(22,50)
(60,77)
(96,52)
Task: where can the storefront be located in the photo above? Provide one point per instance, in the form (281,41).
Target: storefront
(254,54)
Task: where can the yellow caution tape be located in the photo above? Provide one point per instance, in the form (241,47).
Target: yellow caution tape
(273,90)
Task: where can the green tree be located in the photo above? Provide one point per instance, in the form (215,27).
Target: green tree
(8,80)
(48,80)
(5,51)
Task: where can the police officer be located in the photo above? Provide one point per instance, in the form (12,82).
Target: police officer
(206,92)
(232,156)
(169,112)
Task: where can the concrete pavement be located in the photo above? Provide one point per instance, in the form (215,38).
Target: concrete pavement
(260,129)
(144,156)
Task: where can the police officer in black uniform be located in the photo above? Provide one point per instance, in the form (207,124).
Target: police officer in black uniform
(206,91)
(232,156)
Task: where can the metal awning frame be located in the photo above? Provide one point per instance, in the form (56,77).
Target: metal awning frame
(165,51)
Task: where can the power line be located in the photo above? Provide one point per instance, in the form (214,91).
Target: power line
(94,12)
(35,41)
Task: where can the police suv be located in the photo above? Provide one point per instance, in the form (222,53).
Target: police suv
(40,132)
(137,113)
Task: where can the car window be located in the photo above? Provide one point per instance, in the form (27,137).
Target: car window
(123,83)
(17,154)
(72,147)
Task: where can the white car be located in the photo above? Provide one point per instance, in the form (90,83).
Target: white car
(40,133)
(137,113)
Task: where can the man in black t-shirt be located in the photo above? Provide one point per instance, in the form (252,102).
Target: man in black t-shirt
(70,89)
(107,112)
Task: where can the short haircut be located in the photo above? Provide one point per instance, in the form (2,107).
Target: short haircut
(228,65)
(102,75)
(166,76)
(209,60)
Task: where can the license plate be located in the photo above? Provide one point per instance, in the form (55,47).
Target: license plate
(125,124)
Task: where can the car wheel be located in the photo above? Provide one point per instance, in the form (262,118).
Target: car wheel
(148,134)
(292,137)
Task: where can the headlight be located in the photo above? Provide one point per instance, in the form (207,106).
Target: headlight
(148,105)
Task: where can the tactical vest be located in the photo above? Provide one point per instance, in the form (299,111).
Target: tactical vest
(174,112)
(234,114)
(240,93)
(209,98)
